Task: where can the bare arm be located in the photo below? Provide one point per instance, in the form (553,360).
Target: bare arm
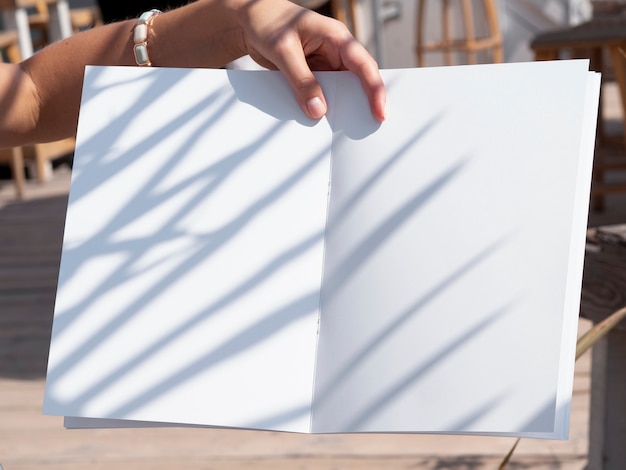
(40,97)
(42,94)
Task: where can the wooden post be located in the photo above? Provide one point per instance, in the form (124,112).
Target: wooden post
(604,291)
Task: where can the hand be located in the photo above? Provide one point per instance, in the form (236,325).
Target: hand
(281,35)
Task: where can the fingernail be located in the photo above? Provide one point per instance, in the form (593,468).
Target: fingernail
(316,107)
(384,113)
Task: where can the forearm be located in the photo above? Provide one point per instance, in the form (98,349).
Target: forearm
(211,35)
(55,77)
(45,89)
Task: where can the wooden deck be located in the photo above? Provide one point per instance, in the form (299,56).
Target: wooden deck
(30,244)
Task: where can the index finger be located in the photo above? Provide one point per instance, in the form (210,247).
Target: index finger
(356,59)
(291,61)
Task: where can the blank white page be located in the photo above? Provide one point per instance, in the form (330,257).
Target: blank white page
(192,256)
(454,251)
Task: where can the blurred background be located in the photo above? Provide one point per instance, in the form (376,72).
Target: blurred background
(34,184)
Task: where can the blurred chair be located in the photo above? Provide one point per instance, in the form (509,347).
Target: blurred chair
(468,43)
(15,15)
(39,21)
(40,155)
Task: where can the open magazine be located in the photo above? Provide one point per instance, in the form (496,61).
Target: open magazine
(229,262)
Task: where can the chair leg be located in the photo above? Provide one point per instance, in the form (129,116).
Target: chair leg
(419,33)
(354,17)
(493,21)
(17,168)
(447,36)
(13,53)
(470,36)
(43,166)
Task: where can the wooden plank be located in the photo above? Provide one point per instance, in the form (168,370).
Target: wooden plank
(40,298)
(181,444)
(313,463)
(28,275)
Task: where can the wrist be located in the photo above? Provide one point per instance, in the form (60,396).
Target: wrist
(205,33)
(238,15)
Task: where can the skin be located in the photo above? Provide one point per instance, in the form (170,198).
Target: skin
(40,97)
